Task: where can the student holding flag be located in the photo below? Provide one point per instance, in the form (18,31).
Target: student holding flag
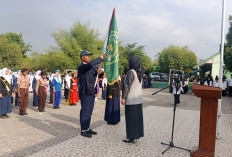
(87,75)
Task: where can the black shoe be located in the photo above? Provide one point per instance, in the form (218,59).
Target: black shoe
(2,116)
(91,132)
(129,141)
(21,114)
(25,113)
(111,123)
(86,134)
(40,110)
(50,102)
(7,116)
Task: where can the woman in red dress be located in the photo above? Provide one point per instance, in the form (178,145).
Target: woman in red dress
(74,89)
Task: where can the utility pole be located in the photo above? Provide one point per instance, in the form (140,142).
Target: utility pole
(221,68)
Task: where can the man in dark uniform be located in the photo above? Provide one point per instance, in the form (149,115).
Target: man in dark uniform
(87,75)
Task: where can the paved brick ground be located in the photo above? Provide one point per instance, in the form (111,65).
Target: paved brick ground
(158,122)
(24,136)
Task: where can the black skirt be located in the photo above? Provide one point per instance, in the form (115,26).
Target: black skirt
(112,110)
(134,121)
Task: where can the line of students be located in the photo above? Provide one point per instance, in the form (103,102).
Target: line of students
(20,85)
(111,92)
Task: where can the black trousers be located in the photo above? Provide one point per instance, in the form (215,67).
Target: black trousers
(176,99)
(66,93)
(230,91)
(223,92)
(87,105)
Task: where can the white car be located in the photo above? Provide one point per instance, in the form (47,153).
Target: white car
(156,76)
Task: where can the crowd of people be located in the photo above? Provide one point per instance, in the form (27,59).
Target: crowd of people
(178,86)
(82,84)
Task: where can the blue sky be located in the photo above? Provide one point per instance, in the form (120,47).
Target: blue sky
(153,23)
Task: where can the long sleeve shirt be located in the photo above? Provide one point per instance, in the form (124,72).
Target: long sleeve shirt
(87,74)
(57,83)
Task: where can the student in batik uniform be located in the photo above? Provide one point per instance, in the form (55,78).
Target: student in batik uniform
(23,91)
(41,91)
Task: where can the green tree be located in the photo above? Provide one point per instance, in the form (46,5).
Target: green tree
(18,39)
(10,53)
(80,37)
(123,63)
(131,50)
(228,47)
(49,62)
(32,61)
(56,60)
(175,57)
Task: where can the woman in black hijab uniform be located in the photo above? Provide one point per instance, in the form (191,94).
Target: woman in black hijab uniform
(132,98)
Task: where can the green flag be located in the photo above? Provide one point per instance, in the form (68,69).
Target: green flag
(110,48)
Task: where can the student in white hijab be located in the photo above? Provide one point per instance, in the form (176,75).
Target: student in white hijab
(5,93)
(57,85)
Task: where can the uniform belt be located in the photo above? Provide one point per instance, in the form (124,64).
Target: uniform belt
(74,84)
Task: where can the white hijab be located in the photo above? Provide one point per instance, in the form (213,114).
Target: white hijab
(37,75)
(7,77)
(52,76)
(58,78)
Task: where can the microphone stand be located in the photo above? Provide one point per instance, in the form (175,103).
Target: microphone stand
(171,144)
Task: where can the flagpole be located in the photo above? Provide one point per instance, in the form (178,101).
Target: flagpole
(97,77)
(101,63)
(221,67)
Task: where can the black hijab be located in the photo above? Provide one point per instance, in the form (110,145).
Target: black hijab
(135,63)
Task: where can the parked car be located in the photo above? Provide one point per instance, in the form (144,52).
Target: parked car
(156,76)
(164,77)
